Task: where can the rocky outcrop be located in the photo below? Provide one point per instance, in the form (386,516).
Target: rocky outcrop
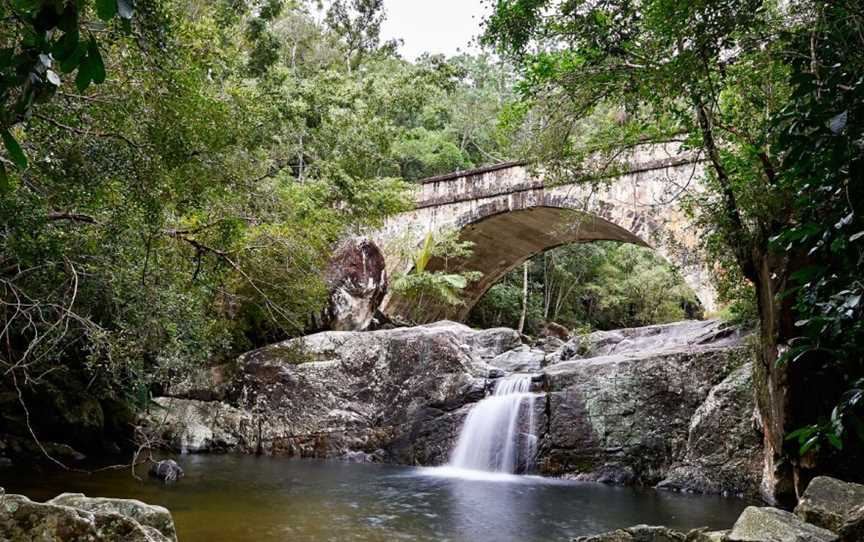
(646,408)
(724,452)
(678,412)
(73,517)
(774,525)
(357,280)
(834,505)
(402,391)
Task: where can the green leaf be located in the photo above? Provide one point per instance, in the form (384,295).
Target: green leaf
(94,58)
(16,153)
(75,58)
(424,254)
(811,444)
(84,76)
(106,9)
(834,441)
(5,181)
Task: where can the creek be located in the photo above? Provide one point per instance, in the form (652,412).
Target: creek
(232,498)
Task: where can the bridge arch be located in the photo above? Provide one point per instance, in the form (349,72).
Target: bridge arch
(511,214)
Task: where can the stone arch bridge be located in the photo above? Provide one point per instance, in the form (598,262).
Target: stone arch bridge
(512,213)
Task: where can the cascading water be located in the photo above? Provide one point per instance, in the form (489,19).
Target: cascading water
(498,435)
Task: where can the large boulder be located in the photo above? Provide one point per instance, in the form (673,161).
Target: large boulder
(403,391)
(835,505)
(192,426)
(626,417)
(773,525)
(724,452)
(76,518)
(356,277)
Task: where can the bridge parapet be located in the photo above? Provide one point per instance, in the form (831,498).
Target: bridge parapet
(511,213)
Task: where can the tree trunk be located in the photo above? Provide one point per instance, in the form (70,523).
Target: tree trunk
(777,387)
(524,296)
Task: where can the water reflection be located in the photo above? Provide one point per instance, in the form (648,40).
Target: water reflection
(234,499)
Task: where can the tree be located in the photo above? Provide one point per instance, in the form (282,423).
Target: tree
(715,77)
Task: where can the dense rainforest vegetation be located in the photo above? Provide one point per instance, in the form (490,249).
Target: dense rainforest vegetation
(601,285)
(174,174)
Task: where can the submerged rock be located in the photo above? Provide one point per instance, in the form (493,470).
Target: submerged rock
(834,505)
(773,525)
(73,517)
(166,470)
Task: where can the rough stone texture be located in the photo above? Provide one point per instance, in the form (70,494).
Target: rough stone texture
(166,470)
(521,360)
(403,391)
(774,525)
(834,505)
(636,416)
(75,518)
(357,279)
(148,515)
(638,533)
(187,425)
(627,417)
(724,452)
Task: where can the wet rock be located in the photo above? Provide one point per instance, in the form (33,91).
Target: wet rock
(357,279)
(638,533)
(76,518)
(774,525)
(834,505)
(166,470)
(400,390)
(638,416)
(523,360)
(724,450)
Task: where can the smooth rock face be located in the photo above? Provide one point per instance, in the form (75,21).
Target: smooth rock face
(834,505)
(76,518)
(357,279)
(773,525)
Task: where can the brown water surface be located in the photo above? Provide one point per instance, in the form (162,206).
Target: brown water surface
(239,498)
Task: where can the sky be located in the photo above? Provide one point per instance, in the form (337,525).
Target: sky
(435,26)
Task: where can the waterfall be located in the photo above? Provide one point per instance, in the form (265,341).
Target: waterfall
(498,435)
